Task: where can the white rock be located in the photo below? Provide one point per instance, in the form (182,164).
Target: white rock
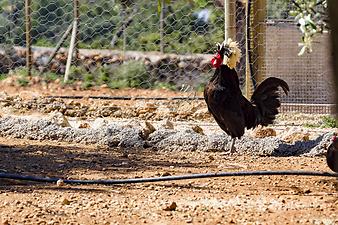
(98,123)
(59,119)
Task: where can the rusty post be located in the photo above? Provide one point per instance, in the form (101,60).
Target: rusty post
(124,35)
(258,39)
(229,19)
(77,18)
(162,27)
(28,10)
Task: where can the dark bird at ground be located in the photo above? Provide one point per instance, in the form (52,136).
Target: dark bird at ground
(332,155)
(231,110)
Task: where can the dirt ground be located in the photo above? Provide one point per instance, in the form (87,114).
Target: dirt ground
(238,200)
(232,200)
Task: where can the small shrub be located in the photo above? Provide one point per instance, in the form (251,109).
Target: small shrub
(87,84)
(200,87)
(43,42)
(164,85)
(150,42)
(23,81)
(329,122)
(88,80)
(76,73)
(23,72)
(103,75)
(130,74)
(311,125)
(118,84)
(50,76)
(3,76)
(88,77)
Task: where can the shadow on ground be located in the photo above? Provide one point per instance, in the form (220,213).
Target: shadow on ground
(70,161)
(317,146)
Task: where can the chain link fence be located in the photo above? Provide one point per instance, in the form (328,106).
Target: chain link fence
(144,44)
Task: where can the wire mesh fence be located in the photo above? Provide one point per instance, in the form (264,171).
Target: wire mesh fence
(144,44)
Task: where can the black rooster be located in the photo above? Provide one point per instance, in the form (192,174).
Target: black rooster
(231,110)
(332,155)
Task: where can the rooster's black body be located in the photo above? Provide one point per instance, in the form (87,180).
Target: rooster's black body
(332,155)
(231,110)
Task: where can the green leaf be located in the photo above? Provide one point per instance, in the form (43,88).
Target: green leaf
(201,3)
(159,5)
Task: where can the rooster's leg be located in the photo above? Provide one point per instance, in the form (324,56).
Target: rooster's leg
(232,146)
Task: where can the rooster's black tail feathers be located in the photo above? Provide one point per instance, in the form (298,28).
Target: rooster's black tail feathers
(266,99)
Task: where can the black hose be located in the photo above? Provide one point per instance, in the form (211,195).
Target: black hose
(168,178)
(123,97)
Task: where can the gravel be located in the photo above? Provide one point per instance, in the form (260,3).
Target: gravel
(130,135)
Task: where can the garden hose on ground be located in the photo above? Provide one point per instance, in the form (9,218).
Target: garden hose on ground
(103,97)
(167,178)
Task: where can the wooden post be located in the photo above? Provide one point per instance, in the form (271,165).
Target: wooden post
(258,39)
(247,46)
(70,52)
(247,75)
(333,11)
(124,17)
(162,27)
(73,39)
(28,10)
(77,18)
(230,19)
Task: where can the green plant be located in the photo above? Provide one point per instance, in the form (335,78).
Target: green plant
(43,42)
(130,74)
(311,125)
(22,81)
(77,73)
(3,76)
(329,122)
(150,42)
(200,87)
(103,75)
(50,76)
(88,80)
(87,84)
(23,72)
(164,85)
(118,84)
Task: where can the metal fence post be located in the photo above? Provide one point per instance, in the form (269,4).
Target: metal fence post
(77,17)
(28,5)
(124,35)
(258,39)
(229,19)
(162,27)
(72,45)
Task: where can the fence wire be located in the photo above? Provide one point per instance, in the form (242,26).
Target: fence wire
(134,44)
